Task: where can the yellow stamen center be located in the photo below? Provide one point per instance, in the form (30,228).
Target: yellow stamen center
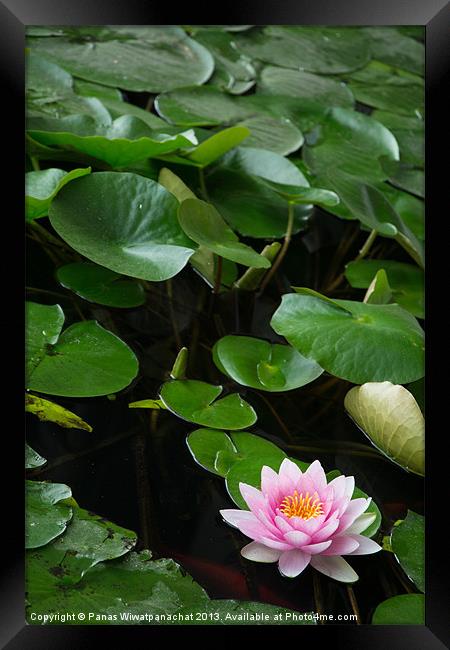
(297,505)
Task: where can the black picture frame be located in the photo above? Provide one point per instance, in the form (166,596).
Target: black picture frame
(15,15)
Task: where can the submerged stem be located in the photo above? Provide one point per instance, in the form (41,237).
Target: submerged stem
(283,249)
(204,191)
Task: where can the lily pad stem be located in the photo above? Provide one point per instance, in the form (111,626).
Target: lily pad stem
(283,249)
(366,247)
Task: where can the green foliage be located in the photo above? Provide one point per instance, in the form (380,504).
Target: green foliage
(258,364)
(196,401)
(337,335)
(157,151)
(407,609)
(408,541)
(84,361)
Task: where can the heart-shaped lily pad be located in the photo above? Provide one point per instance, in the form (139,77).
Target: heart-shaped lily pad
(391,418)
(124,222)
(357,342)
(127,140)
(196,401)
(100,285)
(260,364)
(84,361)
(202,223)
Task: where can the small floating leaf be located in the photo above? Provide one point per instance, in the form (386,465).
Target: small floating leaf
(259,364)
(408,544)
(407,609)
(46,517)
(196,401)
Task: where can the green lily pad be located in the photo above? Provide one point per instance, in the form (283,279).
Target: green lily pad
(196,401)
(204,225)
(100,285)
(50,412)
(84,361)
(124,222)
(391,418)
(351,340)
(203,260)
(32,458)
(46,517)
(304,195)
(390,46)
(138,58)
(240,456)
(408,544)
(41,187)
(125,141)
(309,88)
(259,364)
(50,92)
(116,592)
(206,445)
(239,190)
(405,280)
(352,143)
(88,540)
(326,50)
(218,144)
(208,106)
(407,609)
(233,72)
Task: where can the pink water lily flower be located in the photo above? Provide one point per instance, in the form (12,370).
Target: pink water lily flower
(297,518)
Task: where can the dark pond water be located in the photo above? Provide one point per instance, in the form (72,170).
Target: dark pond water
(135,467)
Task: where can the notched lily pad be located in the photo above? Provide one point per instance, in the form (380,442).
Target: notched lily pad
(408,544)
(262,365)
(86,360)
(357,342)
(196,401)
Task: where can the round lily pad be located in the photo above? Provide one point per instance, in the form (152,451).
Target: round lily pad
(352,340)
(260,364)
(124,222)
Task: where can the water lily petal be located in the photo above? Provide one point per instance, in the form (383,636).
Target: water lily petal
(283,524)
(269,481)
(260,553)
(290,469)
(328,528)
(236,517)
(273,543)
(315,471)
(297,538)
(292,563)
(268,522)
(361,523)
(253,498)
(314,549)
(342,546)
(355,508)
(334,567)
(365,545)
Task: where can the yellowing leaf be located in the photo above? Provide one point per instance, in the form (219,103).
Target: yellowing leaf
(390,416)
(49,411)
